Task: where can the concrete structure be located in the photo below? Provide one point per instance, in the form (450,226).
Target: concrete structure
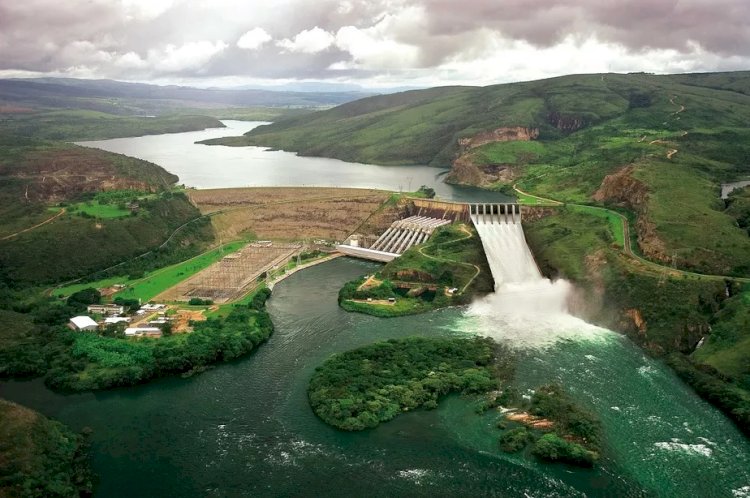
(444,210)
(106,309)
(83,323)
(143,331)
(116,319)
(495,213)
(401,235)
(153,307)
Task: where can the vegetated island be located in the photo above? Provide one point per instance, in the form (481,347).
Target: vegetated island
(40,457)
(448,270)
(361,388)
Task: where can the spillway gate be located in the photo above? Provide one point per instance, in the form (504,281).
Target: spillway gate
(495,213)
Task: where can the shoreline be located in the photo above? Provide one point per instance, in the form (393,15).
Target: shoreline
(294,270)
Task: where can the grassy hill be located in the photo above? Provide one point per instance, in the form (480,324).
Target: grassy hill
(672,139)
(373,129)
(117,97)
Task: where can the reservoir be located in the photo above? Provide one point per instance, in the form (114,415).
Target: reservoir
(246,429)
(215,166)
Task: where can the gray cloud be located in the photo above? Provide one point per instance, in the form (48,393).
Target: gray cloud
(196,39)
(720,26)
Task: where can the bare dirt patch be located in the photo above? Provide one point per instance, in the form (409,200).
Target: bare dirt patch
(530,420)
(181,320)
(288,213)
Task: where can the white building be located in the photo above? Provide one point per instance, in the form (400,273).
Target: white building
(83,323)
(106,309)
(153,307)
(116,319)
(143,331)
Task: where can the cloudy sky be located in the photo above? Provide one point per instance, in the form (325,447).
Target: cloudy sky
(375,43)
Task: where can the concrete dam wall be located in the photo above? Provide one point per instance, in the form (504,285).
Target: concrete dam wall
(495,213)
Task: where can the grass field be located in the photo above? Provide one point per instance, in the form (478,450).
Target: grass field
(615,222)
(97,210)
(157,281)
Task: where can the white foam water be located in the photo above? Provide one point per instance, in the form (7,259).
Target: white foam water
(526,308)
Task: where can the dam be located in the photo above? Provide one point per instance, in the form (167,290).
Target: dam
(495,213)
(429,215)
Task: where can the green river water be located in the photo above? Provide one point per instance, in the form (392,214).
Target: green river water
(245,428)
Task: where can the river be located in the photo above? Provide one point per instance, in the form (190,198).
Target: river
(245,428)
(213,166)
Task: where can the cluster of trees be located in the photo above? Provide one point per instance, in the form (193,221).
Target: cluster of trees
(350,290)
(94,362)
(427,192)
(359,389)
(41,457)
(716,388)
(575,437)
(197,301)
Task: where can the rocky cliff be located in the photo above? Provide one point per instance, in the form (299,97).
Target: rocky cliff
(622,188)
(466,171)
(504,134)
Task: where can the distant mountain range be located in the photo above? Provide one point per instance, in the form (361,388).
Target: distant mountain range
(326,87)
(134,98)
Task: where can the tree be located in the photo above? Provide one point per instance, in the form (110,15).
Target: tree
(84,297)
(428,192)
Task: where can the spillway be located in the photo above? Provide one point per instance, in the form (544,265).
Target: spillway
(526,308)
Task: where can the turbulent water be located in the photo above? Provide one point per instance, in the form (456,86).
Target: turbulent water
(246,429)
(526,308)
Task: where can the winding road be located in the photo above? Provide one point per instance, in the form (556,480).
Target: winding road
(49,220)
(637,261)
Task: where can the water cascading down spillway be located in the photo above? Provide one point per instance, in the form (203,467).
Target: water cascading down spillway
(526,307)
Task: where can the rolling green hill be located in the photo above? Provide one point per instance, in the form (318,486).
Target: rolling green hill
(666,142)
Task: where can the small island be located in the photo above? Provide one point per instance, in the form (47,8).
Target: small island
(361,388)
(552,424)
(364,387)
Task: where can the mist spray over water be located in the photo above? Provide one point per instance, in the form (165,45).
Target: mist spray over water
(526,308)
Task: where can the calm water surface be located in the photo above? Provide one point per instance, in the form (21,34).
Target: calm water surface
(214,166)
(245,428)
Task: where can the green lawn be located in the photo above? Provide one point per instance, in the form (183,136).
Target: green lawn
(98,210)
(158,281)
(616,224)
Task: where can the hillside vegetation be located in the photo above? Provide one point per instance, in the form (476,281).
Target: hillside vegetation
(40,457)
(665,313)
(657,146)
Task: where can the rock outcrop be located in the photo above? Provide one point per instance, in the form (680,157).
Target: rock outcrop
(465,171)
(623,189)
(565,122)
(504,134)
